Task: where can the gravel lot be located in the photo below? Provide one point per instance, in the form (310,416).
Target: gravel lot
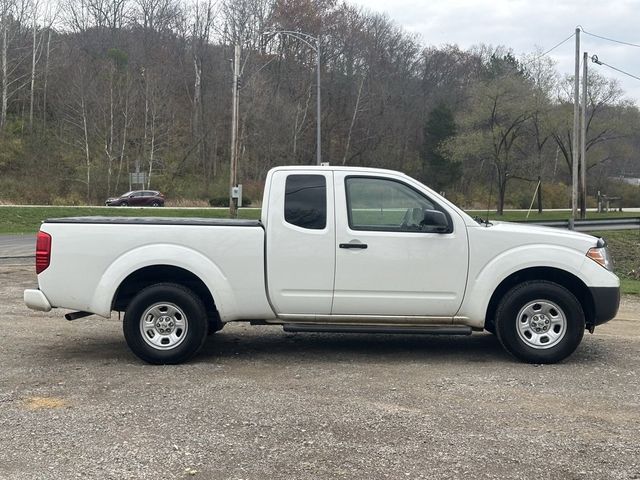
(262,404)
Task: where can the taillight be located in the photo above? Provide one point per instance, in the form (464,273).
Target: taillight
(43,251)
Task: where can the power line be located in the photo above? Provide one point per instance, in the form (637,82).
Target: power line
(595,59)
(550,50)
(556,46)
(610,39)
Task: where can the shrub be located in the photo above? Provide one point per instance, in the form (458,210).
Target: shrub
(219,202)
(224,201)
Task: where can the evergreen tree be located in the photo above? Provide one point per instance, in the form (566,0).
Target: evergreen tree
(439,171)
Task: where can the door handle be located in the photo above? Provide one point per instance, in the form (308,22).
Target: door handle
(353,245)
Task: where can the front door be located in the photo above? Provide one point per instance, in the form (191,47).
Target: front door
(387,261)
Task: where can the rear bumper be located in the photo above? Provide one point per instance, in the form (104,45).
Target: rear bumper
(606,301)
(36,300)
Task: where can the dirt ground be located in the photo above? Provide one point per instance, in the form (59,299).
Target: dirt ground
(262,404)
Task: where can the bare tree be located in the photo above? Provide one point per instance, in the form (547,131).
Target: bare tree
(500,111)
(244,21)
(12,16)
(602,125)
(156,15)
(5,74)
(356,110)
(78,126)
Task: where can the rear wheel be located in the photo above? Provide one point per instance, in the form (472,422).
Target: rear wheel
(540,322)
(165,323)
(155,204)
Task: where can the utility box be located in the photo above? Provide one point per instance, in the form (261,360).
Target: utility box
(236,193)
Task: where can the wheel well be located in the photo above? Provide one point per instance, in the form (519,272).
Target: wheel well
(561,277)
(147,276)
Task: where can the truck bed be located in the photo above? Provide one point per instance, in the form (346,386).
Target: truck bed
(96,254)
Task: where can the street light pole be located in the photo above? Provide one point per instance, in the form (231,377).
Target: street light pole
(319,119)
(313,43)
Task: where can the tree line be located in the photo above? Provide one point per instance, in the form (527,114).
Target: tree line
(93,90)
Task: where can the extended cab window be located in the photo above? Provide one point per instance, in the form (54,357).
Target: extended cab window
(305,201)
(389,205)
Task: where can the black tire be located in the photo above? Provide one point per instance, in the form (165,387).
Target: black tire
(177,312)
(124,204)
(155,204)
(540,322)
(215,325)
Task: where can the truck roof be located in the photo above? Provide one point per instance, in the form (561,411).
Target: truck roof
(339,168)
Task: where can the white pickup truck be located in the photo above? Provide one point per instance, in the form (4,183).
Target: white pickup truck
(336,250)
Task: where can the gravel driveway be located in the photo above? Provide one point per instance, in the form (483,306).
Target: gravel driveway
(262,404)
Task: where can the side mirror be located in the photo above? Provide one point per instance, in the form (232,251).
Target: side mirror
(435,221)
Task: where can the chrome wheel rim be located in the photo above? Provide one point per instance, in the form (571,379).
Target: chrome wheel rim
(164,326)
(541,324)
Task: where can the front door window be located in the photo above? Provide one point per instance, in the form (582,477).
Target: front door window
(378,204)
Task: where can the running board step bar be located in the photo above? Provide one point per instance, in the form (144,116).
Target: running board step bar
(427,329)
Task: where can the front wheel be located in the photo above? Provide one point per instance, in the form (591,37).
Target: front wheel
(540,322)
(165,323)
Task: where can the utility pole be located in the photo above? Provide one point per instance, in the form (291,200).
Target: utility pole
(233,168)
(583,135)
(576,134)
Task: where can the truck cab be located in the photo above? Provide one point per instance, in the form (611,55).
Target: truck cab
(345,243)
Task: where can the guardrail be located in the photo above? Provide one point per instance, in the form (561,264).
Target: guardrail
(630,223)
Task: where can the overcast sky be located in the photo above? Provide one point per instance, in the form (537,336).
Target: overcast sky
(524,24)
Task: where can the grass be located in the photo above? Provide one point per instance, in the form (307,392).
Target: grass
(624,246)
(511,216)
(24,220)
(630,286)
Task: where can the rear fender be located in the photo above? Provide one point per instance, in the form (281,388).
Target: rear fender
(164,254)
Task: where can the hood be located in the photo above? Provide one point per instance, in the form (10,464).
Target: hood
(527,233)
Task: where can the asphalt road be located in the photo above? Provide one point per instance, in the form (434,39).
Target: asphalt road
(262,404)
(15,246)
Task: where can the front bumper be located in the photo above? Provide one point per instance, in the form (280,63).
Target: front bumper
(36,300)
(606,301)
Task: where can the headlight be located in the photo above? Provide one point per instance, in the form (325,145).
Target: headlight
(601,256)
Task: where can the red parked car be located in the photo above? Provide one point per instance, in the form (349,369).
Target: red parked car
(137,198)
